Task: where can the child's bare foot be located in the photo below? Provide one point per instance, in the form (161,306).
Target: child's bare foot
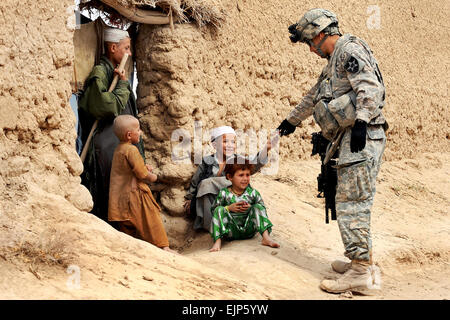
(267,241)
(170,250)
(217,245)
(270,243)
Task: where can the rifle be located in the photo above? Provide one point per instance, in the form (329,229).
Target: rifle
(327,179)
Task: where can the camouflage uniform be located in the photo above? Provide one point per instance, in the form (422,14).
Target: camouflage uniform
(352,66)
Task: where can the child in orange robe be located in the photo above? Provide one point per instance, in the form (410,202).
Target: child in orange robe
(131,202)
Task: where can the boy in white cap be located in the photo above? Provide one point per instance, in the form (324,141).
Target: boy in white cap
(97,103)
(210,177)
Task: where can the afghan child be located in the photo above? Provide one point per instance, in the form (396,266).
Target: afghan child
(210,177)
(239,211)
(131,202)
(97,103)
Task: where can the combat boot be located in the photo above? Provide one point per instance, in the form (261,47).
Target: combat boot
(358,278)
(340,266)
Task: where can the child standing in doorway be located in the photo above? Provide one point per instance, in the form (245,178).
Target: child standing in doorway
(131,202)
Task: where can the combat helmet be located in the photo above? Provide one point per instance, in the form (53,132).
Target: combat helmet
(311,24)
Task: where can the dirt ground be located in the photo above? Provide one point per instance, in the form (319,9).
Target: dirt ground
(410,228)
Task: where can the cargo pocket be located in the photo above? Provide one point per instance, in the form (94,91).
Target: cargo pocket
(325,120)
(354,182)
(343,109)
(376,132)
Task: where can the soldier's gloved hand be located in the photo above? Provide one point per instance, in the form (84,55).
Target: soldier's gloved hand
(286,128)
(358,138)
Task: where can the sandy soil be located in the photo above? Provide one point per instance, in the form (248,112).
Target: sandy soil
(410,238)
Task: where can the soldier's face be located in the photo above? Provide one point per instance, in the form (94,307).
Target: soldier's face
(314,43)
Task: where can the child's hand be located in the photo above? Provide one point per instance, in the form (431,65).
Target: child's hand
(221,167)
(151,177)
(268,145)
(273,140)
(187,206)
(240,206)
(149,168)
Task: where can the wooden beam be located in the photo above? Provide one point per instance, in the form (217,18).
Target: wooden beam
(139,15)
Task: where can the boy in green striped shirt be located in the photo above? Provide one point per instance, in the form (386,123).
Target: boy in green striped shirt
(238,211)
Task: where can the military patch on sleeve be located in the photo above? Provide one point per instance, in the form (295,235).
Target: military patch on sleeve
(352,65)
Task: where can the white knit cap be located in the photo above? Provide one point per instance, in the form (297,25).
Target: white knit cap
(114,35)
(220,131)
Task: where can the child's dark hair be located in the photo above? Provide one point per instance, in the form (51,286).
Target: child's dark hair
(238,163)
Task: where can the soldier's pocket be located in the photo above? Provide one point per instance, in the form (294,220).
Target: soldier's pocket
(376,132)
(354,183)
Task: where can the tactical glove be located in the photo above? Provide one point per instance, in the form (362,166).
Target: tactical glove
(358,138)
(286,128)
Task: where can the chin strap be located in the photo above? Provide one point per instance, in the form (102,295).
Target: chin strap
(323,55)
